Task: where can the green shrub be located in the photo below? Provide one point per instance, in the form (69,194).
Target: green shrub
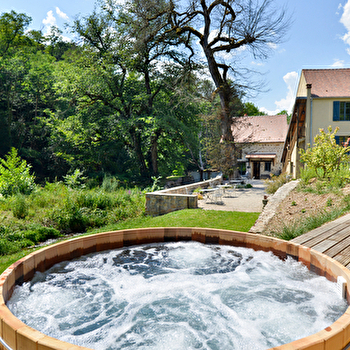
(19,206)
(273,184)
(75,180)
(41,234)
(93,199)
(110,184)
(307,174)
(309,223)
(71,218)
(9,247)
(15,175)
(198,190)
(326,156)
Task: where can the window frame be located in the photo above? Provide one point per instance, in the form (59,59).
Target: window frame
(341,111)
(270,166)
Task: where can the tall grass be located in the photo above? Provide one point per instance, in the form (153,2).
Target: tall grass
(309,223)
(273,184)
(57,209)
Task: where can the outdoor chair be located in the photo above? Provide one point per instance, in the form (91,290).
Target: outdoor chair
(217,196)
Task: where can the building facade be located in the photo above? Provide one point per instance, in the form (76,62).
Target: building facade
(322,100)
(260,140)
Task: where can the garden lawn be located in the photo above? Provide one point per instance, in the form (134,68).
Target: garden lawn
(227,220)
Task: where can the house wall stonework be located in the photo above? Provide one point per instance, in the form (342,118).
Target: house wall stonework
(256,148)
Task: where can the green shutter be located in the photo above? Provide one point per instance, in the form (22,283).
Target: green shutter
(336,110)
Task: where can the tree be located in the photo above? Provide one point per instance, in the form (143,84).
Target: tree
(224,26)
(325,157)
(285,112)
(12,28)
(250,109)
(15,175)
(139,80)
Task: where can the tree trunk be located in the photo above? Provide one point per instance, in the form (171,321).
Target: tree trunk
(138,151)
(228,149)
(224,92)
(154,152)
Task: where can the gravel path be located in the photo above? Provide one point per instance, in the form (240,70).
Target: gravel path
(245,199)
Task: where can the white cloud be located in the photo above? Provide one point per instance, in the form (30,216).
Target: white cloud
(259,64)
(345,20)
(286,103)
(290,79)
(338,63)
(272,46)
(50,20)
(61,13)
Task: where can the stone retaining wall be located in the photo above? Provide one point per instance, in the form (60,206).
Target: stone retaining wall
(176,198)
(19,336)
(270,209)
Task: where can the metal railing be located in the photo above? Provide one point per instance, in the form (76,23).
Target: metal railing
(2,342)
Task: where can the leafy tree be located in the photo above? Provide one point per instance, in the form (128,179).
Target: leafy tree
(12,28)
(284,111)
(138,79)
(222,27)
(326,156)
(15,175)
(250,109)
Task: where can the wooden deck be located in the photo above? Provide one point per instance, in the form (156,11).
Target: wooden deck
(332,239)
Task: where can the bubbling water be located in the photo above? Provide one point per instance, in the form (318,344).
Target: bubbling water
(182,295)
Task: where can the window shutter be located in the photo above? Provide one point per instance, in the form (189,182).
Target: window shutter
(336,111)
(337,139)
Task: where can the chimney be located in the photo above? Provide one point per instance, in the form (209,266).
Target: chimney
(308,116)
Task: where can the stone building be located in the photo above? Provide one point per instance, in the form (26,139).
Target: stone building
(260,140)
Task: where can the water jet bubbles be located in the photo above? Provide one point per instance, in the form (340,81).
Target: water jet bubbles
(183,295)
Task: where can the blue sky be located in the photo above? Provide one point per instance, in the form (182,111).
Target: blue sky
(318,38)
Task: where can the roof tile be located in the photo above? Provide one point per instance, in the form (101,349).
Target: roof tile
(265,128)
(328,82)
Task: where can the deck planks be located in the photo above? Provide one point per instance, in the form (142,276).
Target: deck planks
(332,239)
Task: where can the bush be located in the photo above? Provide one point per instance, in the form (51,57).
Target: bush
(19,207)
(110,184)
(326,156)
(273,184)
(71,218)
(94,200)
(8,247)
(302,226)
(75,180)
(41,234)
(315,183)
(15,175)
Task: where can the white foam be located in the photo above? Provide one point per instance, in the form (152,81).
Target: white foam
(185,296)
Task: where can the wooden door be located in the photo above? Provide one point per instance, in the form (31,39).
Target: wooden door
(256,170)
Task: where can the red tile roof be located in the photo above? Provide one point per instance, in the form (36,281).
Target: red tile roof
(328,82)
(265,128)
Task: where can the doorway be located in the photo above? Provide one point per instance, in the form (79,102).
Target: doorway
(256,170)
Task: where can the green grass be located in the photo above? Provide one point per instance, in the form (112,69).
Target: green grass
(310,223)
(236,221)
(228,220)
(7,260)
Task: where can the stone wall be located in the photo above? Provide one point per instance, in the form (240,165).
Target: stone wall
(176,198)
(266,147)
